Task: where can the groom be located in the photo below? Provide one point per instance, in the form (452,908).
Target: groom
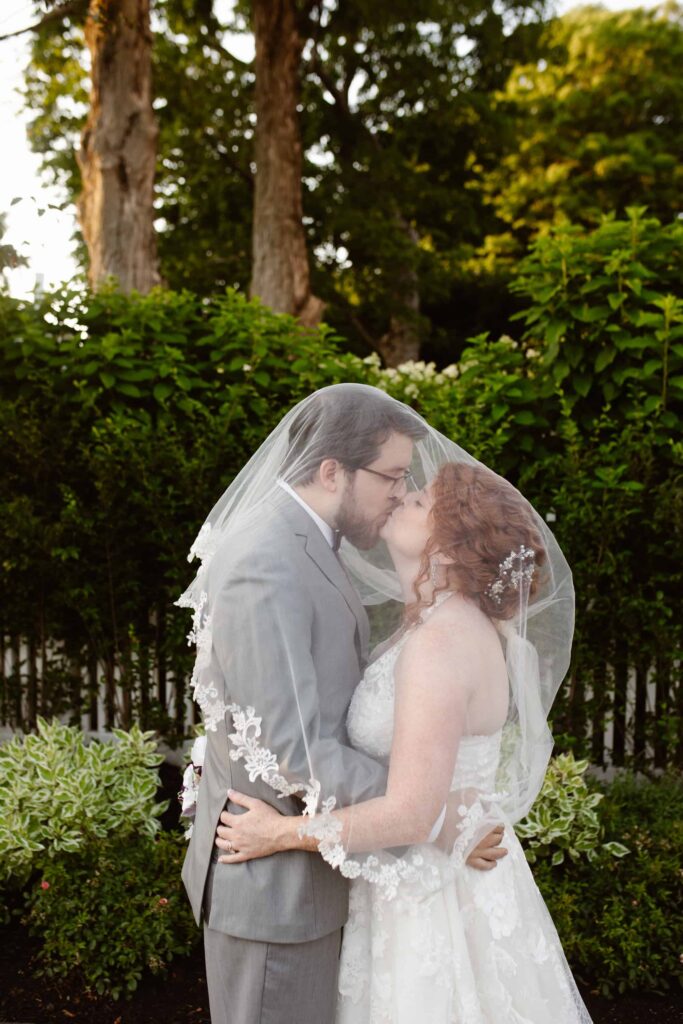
(286,609)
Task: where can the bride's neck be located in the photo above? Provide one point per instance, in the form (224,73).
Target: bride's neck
(407,570)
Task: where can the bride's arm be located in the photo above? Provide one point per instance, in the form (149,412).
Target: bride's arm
(432,691)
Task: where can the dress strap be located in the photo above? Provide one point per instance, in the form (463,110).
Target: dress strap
(442,596)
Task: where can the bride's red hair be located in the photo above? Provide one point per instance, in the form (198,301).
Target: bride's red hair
(477,520)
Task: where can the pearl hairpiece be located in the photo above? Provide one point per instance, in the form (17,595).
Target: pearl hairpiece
(513,577)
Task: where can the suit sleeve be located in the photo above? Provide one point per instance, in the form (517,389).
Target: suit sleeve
(262,638)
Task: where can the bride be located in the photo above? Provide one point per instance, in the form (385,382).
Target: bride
(455,703)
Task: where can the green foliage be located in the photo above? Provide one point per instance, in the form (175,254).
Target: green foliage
(59,795)
(153,357)
(112,910)
(9,257)
(79,834)
(489,401)
(122,419)
(564,818)
(604,317)
(590,126)
(439,138)
(619,920)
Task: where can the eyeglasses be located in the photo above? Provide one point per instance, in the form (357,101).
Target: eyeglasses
(405,479)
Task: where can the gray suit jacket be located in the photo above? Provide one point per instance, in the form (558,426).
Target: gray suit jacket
(284,611)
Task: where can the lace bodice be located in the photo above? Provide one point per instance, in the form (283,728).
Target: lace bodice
(370,724)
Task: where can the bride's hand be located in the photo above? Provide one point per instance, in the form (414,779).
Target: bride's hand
(259,832)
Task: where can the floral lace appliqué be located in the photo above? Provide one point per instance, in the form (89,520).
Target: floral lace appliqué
(262,763)
(204,690)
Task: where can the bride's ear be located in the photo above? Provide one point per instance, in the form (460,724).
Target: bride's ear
(438,558)
(438,568)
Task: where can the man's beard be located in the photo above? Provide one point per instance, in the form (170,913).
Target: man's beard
(360,531)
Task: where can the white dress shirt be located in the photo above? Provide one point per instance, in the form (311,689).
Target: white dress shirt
(325,528)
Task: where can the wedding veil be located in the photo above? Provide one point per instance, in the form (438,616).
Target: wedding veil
(252,618)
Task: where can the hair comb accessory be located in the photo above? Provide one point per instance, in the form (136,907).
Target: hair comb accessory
(511,576)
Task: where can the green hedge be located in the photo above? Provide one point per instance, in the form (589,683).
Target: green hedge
(123,419)
(111,912)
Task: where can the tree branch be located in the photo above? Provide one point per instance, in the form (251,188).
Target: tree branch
(244,174)
(325,78)
(363,331)
(58,13)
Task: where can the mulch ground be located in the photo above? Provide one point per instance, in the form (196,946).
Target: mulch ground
(181,998)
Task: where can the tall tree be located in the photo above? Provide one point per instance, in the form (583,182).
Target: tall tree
(394,97)
(594,125)
(399,93)
(280,272)
(114,191)
(117,156)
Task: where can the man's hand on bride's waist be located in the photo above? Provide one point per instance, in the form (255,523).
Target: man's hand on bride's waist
(258,831)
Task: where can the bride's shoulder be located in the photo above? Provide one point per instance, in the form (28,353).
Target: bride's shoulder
(456,617)
(457,626)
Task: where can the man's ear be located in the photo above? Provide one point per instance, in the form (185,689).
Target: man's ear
(330,474)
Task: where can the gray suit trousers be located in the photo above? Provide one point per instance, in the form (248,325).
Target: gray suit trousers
(271,982)
(253,982)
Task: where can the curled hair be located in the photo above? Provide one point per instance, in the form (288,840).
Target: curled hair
(477,520)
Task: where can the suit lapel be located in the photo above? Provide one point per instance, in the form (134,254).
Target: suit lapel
(324,557)
(320,552)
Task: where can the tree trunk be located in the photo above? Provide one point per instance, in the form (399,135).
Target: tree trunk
(118,147)
(280,274)
(401,343)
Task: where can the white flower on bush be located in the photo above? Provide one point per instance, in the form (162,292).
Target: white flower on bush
(191,777)
(451,372)
(418,370)
(373,360)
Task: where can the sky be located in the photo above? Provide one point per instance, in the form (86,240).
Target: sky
(46,240)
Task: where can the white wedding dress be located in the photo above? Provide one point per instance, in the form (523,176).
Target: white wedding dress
(482,950)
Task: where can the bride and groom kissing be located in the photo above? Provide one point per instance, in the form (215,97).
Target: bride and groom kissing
(352,856)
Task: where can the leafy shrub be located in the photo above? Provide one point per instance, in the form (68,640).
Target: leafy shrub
(111,910)
(564,818)
(619,920)
(59,795)
(79,826)
(604,316)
